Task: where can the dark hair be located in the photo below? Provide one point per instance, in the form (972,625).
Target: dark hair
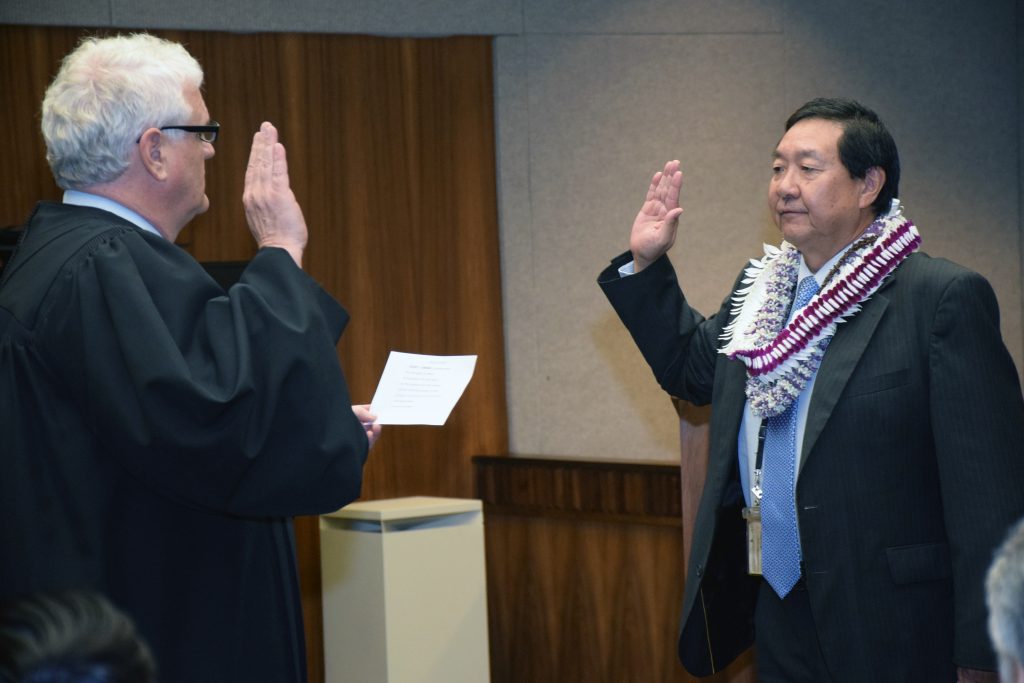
(865,142)
(71,637)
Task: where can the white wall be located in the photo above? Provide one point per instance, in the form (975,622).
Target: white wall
(592,96)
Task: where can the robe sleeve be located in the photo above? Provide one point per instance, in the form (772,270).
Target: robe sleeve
(232,402)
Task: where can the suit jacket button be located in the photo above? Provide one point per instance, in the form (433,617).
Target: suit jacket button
(700,570)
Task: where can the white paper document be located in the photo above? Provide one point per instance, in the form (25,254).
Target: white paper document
(420,390)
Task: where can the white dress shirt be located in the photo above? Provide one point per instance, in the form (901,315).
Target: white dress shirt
(79,198)
(751,424)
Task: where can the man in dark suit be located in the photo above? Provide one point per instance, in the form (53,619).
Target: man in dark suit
(867,423)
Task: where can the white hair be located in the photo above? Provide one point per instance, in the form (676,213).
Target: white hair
(107,93)
(1004,590)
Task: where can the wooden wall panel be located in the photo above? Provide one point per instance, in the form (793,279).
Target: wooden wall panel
(391,154)
(585,571)
(28,60)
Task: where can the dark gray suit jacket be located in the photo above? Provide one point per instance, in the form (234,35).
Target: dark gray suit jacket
(911,472)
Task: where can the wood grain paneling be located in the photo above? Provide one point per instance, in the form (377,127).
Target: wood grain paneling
(636,492)
(391,154)
(585,571)
(28,60)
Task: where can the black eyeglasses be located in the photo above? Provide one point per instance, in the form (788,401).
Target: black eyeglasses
(207,133)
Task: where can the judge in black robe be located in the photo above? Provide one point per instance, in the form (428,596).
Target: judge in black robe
(158,435)
(158,432)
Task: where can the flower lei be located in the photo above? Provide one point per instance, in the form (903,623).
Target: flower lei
(782,358)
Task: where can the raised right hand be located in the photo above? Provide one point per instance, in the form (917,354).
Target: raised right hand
(654,230)
(274,215)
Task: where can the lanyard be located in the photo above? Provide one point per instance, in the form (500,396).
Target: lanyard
(755,487)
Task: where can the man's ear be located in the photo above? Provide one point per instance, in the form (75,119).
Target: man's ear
(151,154)
(874,180)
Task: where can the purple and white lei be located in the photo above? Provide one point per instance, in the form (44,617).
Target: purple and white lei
(781,358)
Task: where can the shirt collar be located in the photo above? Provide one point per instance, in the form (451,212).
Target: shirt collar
(79,198)
(824,270)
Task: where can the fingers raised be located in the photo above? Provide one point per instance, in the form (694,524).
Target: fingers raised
(274,216)
(669,183)
(279,171)
(261,161)
(664,189)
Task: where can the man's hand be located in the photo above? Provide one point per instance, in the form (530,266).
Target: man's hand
(654,230)
(367,419)
(274,216)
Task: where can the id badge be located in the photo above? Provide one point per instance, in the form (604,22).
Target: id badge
(753,517)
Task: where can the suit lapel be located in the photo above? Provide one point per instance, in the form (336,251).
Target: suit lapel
(844,352)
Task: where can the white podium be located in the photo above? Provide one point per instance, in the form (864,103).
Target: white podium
(405,592)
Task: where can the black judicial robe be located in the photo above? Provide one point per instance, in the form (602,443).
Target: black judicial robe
(157,434)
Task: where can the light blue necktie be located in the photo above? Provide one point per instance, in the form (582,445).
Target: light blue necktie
(780,541)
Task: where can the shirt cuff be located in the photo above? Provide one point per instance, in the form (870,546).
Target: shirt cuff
(626,270)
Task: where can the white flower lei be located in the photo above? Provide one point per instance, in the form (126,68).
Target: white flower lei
(781,358)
